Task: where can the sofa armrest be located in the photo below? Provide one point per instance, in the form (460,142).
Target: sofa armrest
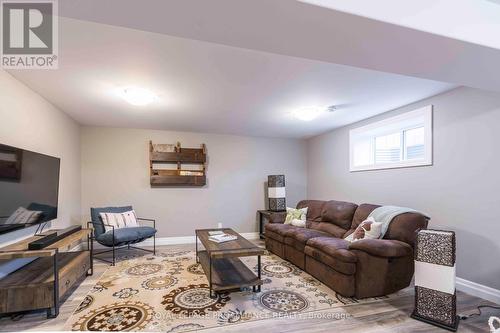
(387,248)
(277,217)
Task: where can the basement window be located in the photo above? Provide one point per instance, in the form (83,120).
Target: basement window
(397,142)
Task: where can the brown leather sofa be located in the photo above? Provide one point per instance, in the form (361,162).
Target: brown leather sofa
(365,268)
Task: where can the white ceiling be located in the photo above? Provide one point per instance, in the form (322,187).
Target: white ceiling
(474,21)
(209,87)
(304,30)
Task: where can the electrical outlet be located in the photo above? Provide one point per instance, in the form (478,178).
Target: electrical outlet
(219,225)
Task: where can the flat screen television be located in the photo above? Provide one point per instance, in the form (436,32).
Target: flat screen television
(29,186)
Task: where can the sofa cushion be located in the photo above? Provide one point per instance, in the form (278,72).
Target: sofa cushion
(126,235)
(299,237)
(335,247)
(348,268)
(278,231)
(330,228)
(314,208)
(339,213)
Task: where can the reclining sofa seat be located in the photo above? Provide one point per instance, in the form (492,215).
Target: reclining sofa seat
(365,268)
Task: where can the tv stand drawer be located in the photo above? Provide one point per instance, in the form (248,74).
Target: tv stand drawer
(32,286)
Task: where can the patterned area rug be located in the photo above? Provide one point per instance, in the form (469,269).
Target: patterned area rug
(169,293)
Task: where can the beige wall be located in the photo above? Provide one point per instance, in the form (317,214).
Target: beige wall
(28,121)
(115,171)
(460,191)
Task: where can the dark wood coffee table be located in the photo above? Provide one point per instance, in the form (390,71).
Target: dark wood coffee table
(224,271)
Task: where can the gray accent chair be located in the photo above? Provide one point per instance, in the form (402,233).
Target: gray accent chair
(119,238)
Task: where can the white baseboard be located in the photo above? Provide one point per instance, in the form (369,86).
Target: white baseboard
(478,290)
(187,239)
(180,240)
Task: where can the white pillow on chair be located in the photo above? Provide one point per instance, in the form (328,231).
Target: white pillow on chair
(119,220)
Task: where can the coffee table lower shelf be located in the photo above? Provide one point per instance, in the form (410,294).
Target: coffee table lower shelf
(227,273)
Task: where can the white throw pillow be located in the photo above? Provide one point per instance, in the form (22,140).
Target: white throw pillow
(298,223)
(298,214)
(368,229)
(119,220)
(23,216)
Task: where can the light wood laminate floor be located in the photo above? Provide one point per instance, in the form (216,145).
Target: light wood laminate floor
(385,316)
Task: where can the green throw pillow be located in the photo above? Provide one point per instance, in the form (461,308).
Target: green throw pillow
(295,214)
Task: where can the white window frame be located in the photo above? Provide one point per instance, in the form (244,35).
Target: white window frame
(388,126)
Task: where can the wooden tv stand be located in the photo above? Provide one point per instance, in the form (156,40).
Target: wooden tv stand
(42,283)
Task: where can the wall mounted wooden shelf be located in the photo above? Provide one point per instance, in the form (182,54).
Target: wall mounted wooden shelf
(175,154)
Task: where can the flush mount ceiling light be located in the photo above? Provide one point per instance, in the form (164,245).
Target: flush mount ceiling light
(137,96)
(307,114)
